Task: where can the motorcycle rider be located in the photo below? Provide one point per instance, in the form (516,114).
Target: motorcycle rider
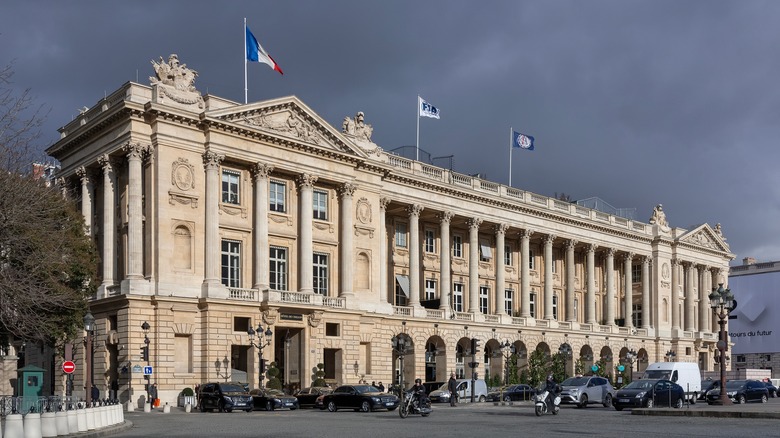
(419,392)
(552,389)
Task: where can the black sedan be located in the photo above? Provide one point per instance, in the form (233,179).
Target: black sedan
(649,393)
(512,393)
(271,399)
(706,386)
(741,391)
(771,388)
(364,398)
(307,397)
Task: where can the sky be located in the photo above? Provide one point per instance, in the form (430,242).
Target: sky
(635,102)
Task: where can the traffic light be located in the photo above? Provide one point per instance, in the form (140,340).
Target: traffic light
(474,346)
(145,353)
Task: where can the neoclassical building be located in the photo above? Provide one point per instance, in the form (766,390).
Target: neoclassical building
(212,217)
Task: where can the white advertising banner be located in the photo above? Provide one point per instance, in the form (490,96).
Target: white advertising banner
(754,326)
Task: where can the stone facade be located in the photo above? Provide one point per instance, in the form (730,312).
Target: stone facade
(213,216)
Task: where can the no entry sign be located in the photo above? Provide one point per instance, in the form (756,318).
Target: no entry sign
(68,367)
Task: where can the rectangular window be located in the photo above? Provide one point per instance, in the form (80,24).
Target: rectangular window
(457,297)
(276,195)
(636,315)
(485,254)
(231,263)
(332,329)
(400,234)
(320,268)
(555,307)
(741,358)
(554,265)
(531,264)
(401,290)
(484,291)
(320,200)
(576,308)
(508,301)
(230,181)
(532,305)
(278,268)
(507,255)
(636,273)
(457,246)
(241,324)
(430,289)
(430,241)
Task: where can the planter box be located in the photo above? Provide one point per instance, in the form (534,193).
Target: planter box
(183,400)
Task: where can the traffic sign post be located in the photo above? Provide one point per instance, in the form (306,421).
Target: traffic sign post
(68,367)
(147,370)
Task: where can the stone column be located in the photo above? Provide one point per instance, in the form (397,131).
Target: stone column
(108,229)
(590,299)
(548,277)
(714,279)
(305,224)
(87,193)
(211,162)
(609,315)
(646,292)
(134,153)
(383,243)
(414,253)
(704,300)
(261,250)
(346,277)
(446,265)
(474,224)
(629,288)
(571,315)
(690,325)
(525,274)
(675,304)
(498,302)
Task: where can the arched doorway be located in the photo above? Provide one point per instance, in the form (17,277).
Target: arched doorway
(586,360)
(435,360)
(403,360)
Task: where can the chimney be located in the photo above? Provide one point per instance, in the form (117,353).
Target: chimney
(748,261)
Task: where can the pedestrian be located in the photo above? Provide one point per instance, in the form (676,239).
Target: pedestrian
(381,387)
(452,385)
(153,395)
(114,390)
(95,394)
(373,383)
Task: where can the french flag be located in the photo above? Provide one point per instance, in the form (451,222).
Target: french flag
(256,53)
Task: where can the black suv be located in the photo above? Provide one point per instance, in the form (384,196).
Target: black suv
(224,396)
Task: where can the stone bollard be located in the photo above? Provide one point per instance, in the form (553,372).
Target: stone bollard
(73,421)
(111,414)
(104,416)
(147,407)
(48,425)
(121,415)
(14,426)
(81,420)
(166,409)
(187,408)
(130,406)
(32,425)
(61,418)
(100,419)
(90,413)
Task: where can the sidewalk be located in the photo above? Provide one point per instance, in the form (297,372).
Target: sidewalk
(748,410)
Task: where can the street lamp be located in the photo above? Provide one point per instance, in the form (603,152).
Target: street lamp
(565,351)
(631,356)
(89,326)
(260,339)
(670,355)
(722,302)
(401,344)
(508,350)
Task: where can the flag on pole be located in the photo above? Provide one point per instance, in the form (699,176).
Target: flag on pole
(522,141)
(427,110)
(256,53)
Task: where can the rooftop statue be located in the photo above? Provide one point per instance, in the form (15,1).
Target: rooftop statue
(174,74)
(659,218)
(357,127)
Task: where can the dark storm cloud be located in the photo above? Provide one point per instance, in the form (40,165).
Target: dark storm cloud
(635,102)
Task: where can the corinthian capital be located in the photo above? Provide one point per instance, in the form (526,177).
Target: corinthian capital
(211,160)
(261,170)
(306,181)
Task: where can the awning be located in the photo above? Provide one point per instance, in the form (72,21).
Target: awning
(403,281)
(484,247)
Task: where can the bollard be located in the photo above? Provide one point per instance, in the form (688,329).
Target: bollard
(187,408)
(104,416)
(32,425)
(48,425)
(130,406)
(90,413)
(100,419)
(111,415)
(14,426)
(81,420)
(121,415)
(147,407)
(73,421)
(61,418)
(166,409)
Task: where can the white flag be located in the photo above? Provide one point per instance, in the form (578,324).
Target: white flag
(428,110)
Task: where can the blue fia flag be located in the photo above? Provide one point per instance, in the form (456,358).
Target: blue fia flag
(522,141)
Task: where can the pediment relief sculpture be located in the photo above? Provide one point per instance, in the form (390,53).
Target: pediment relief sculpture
(287,123)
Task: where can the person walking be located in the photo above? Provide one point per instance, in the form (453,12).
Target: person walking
(153,395)
(452,386)
(381,387)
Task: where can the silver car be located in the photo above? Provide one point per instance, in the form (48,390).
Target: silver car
(582,391)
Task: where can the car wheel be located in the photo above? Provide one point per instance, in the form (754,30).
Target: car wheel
(365,406)
(507,398)
(481,398)
(228,410)
(650,403)
(763,398)
(248,410)
(679,403)
(201,407)
(692,400)
(583,401)
(741,399)
(332,406)
(269,406)
(608,401)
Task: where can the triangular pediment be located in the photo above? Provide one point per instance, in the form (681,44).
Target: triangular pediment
(290,119)
(706,237)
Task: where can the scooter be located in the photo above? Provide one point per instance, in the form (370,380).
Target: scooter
(413,403)
(541,403)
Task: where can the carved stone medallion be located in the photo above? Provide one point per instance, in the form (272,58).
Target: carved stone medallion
(183,174)
(363,211)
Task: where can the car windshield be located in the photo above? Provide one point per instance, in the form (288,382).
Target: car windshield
(575,381)
(657,374)
(443,387)
(232,388)
(735,384)
(640,384)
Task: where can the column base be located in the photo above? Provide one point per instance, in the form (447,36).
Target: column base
(214,290)
(136,286)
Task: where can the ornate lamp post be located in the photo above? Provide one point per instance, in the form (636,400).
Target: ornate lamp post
(565,351)
(722,302)
(630,358)
(89,326)
(508,350)
(260,339)
(670,355)
(401,346)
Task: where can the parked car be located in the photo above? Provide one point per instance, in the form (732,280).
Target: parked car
(364,398)
(512,393)
(706,385)
(270,399)
(585,390)
(307,397)
(771,388)
(432,386)
(224,396)
(741,391)
(649,393)
(685,374)
(442,395)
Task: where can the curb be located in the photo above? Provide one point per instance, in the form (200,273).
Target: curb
(127,425)
(705,413)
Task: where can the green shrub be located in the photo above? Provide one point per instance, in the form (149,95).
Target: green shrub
(273,377)
(187,392)
(319,375)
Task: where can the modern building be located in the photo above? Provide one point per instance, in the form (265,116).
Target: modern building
(213,217)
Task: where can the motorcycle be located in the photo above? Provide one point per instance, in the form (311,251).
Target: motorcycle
(541,403)
(414,403)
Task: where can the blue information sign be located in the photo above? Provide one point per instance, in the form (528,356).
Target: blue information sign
(621,368)
(147,370)
(594,368)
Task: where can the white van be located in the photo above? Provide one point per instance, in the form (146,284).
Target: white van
(685,374)
(442,395)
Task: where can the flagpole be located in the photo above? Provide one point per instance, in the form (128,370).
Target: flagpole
(510,156)
(246,90)
(417,144)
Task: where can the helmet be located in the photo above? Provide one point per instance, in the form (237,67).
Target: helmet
(549,376)
(418,381)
